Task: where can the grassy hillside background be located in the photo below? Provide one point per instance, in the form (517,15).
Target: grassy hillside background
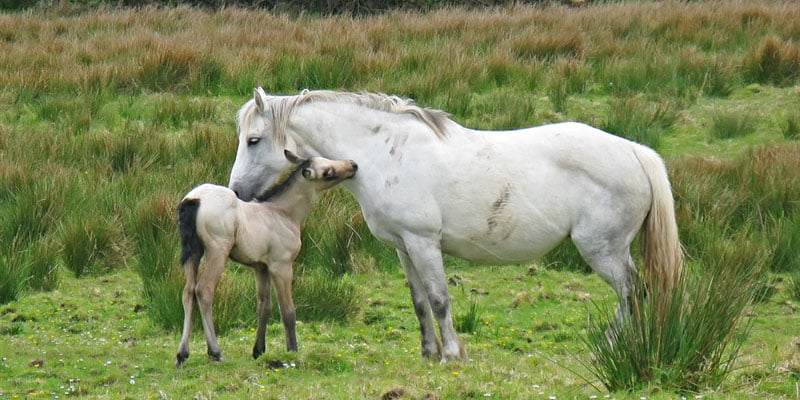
(108,116)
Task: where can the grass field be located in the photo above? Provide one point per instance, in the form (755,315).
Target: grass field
(107,117)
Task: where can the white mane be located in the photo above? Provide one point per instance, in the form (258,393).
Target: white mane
(281,108)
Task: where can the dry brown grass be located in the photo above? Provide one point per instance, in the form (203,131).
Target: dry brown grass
(114,49)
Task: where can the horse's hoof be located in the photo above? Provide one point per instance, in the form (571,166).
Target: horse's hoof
(431,355)
(217,357)
(180,358)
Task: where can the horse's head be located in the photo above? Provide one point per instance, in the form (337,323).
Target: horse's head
(259,157)
(326,173)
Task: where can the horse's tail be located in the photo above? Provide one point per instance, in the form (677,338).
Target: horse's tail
(191,246)
(662,252)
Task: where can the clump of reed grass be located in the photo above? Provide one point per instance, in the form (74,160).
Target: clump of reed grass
(731,124)
(565,42)
(179,68)
(794,286)
(568,78)
(14,273)
(565,257)
(156,246)
(335,232)
(790,127)
(321,296)
(637,119)
(95,245)
(470,320)
(43,264)
(784,239)
(36,209)
(685,339)
(773,61)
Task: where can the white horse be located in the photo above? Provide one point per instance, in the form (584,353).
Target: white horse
(428,185)
(263,234)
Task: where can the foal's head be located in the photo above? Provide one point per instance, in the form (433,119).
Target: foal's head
(320,172)
(326,173)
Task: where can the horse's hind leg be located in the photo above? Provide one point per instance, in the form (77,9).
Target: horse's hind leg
(281,273)
(190,268)
(611,260)
(264,308)
(430,346)
(204,291)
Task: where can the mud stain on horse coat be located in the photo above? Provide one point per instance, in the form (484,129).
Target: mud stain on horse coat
(499,221)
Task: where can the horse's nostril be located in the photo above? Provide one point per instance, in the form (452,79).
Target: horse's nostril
(355,167)
(236,192)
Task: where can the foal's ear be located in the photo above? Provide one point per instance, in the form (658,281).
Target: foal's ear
(293,158)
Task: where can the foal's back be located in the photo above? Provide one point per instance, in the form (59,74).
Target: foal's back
(254,232)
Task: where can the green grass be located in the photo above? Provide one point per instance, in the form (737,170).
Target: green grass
(128,109)
(528,345)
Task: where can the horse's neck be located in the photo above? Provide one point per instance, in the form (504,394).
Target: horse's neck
(295,202)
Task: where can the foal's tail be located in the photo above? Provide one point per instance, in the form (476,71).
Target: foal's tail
(662,252)
(191,246)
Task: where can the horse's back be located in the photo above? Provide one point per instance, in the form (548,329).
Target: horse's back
(531,188)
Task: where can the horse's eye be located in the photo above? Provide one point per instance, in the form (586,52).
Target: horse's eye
(253,140)
(329,174)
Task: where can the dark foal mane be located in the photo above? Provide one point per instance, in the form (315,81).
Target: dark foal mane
(283,184)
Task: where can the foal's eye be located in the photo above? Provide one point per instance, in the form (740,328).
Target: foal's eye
(328,174)
(253,140)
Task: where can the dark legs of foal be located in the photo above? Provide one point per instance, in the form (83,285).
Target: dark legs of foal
(283,285)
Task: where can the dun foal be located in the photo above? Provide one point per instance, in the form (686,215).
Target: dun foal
(263,234)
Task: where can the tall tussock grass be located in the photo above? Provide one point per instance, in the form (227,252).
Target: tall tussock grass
(684,340)
(739,221)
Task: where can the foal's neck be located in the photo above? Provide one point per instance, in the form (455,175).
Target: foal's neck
(295,201)
(292,195)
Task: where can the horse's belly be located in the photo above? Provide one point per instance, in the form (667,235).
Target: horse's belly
(508,246)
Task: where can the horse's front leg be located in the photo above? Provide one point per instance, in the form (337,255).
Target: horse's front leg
(264,308)
(430,346)
(426,257)
(281,273)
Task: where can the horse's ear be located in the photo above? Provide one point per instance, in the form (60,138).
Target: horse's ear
(258,96)
(293,158)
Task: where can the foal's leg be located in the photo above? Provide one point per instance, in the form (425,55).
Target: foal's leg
(430,345)
(281,273)
(190,268)
(215,264)
(426,258)
(264,308)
